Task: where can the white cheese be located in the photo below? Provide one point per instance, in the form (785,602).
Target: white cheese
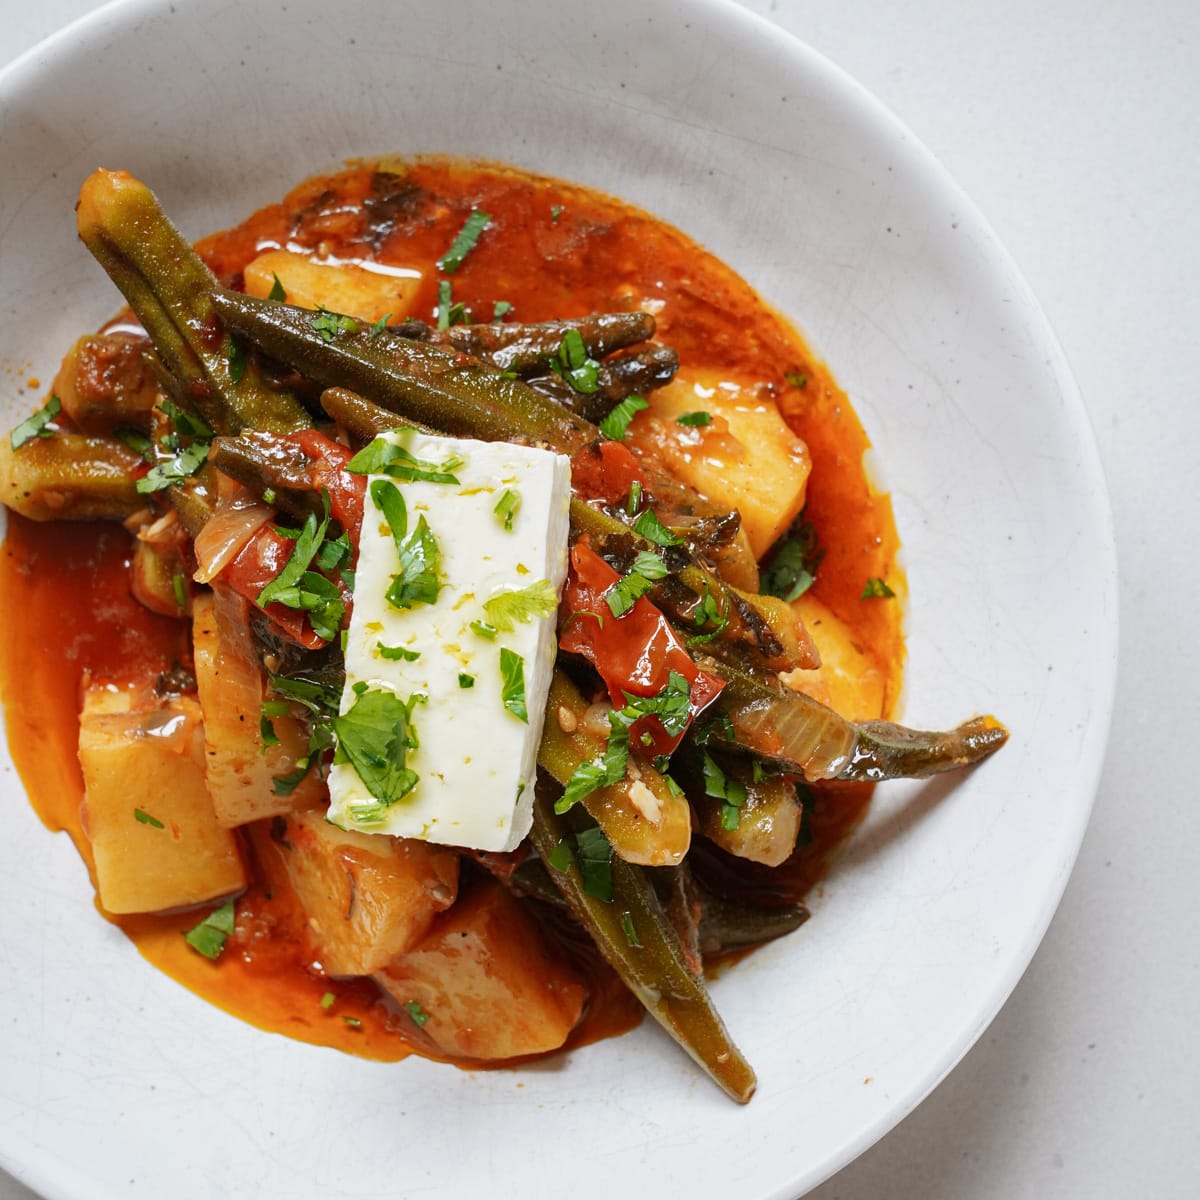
(475,760)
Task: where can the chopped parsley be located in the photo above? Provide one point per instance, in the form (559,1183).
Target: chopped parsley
(876,589)
(573,363)
(35,426)
(796,378)
(208,938)
(353,1022)
(144,818)
(179,586)
(330,324)
(595,863)
(526,604)
(793,570)
(465,681)
(616,424)
(278,291)
(562,856)
(448,312)
(396,653)
(556,211)
(708,612)
(327,1000)
(484,630)
(380,325)
(238,355)
(385,457)
(501,309)
(464,243)
(417,581)
(697,420)
(507,507)
(647,569)
(653,530)
(136,441)
(512,683)
(418,1014)
(174,470)
(730,792)
(629,931)
(187,423)
(375,735)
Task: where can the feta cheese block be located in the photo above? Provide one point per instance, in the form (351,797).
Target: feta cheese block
(471,663)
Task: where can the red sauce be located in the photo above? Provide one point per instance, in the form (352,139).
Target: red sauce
(552,250)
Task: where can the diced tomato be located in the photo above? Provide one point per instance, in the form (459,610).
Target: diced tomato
(328,470)
(605,471)
(256,564)
(635,653)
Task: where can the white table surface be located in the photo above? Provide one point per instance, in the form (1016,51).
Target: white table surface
(1075,126)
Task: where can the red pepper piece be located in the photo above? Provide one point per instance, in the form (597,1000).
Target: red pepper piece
(605,471)
(635,653)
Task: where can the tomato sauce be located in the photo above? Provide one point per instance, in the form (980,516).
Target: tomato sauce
(551,250)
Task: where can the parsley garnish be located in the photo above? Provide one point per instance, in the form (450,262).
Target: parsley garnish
(562,856)
(647,569)
(385,457)
(796,378)
(522,606)
(465,681)
(397,653)
(653,530)
(187,423)
(144,818)
(353,1022)
(464,243)
(174,470)
(448,312)
(375,735)
(595,863)
(277,292)
(793,570)
(484,630)
(330,324)
(137,441)
(418,1014)
(380,325)
(616,423)
(208,938)
(556,211)
(179,586)
(35,426)
(417,581)
(706,612)
(575,366)
(630,932)
(731,792)
(327,1000)
(507,507)
(695,419)
(876,589)
(238,355)
(308,542)
(501,309)
(512,685)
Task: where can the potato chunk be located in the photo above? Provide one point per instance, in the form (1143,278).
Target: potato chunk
(849,679)
(241,776)
(368,897)
(484,983)
(358,291)
(746,457)
(146,809)
(105,382)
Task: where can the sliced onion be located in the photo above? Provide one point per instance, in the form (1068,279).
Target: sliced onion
(238,517)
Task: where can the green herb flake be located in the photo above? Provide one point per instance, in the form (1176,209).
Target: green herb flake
(35,426)
(189,424)
(647,569)
(574,365)
(375,735)
(653,530)
(556,211)
(396,653)
(327,1001)
(208,938)
(708,612)
(417,581)
(635,498)
(876,589)
(507,507)
(238,356)
(731,792)
(464,243)
(630,932)
(308,542)
(380,326)
(501,309)
(136,441)
(793,570)
(595,863)
(512,683)
(465,681)
(796,378)
(561,857)
(509,609)
(697,420)
(330,324)
(175,470)
(418,1014)
(352,1022)
(616,424)
(266,731)
(144,818)
(386,457)
(179,586)
(278,291)
(484,630)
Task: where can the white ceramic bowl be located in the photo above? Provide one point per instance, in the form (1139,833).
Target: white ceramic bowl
(791,173)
